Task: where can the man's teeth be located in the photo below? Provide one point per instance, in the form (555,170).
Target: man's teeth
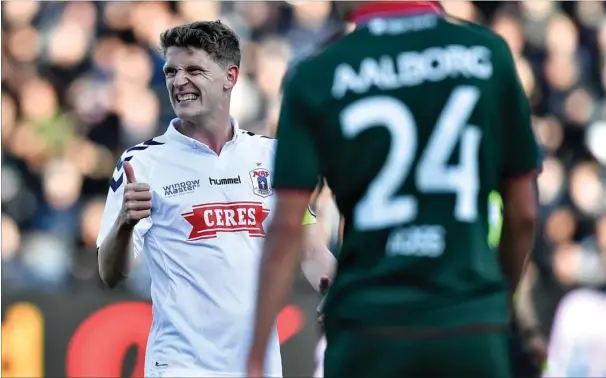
(187,97)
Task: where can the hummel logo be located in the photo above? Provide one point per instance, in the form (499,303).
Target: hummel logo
(225,181)
(160,365)
(181,188)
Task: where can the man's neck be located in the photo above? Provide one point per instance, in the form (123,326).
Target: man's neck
(214,130)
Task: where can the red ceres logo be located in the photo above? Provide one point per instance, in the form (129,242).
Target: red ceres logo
(209,219)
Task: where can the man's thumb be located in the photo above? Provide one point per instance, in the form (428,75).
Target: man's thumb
(130,173)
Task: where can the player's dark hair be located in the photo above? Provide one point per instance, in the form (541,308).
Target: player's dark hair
(214,37)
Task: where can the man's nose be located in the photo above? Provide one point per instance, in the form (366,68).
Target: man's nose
(180,79)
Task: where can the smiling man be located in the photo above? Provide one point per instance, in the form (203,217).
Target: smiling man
(197,201)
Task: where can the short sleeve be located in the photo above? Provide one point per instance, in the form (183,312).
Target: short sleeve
(296,162)
(520,149)
(113,203)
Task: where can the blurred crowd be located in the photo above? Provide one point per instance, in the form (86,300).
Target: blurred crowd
(82,81)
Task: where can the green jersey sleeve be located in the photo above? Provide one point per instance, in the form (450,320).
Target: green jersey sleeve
(297,163)
(520,149)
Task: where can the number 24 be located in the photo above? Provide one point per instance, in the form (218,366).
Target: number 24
(381,207)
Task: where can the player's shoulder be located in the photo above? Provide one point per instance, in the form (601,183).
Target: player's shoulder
(314,70)
(145,152)
(254,140)
(307,59)
(258,145)
(142,156)
(482,33)
(471,33)
(300,72)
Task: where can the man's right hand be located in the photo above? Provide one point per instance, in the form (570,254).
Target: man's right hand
(137,203)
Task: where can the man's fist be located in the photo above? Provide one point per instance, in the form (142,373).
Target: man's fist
(137,203)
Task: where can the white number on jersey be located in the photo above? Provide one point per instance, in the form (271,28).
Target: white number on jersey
(380,207)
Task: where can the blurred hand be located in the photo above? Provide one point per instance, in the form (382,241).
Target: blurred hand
(537,346)
(527,351)
(137,203)
(324,285)
(254,368)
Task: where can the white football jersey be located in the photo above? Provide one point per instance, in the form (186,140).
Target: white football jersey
(577,346)
(203,244)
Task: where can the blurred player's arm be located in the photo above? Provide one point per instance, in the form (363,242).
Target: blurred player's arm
(527,317)
(318,262)
(125,221)
(520,162)
(115,256)
(295,178)
(519,221)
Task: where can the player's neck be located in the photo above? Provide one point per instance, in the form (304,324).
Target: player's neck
(368,10)
(213,130)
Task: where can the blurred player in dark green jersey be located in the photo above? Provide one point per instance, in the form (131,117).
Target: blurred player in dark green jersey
(413,119)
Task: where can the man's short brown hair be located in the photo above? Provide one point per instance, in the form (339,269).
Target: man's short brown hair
(214,37)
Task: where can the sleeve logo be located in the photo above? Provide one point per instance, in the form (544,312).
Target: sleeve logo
(209,219)
(116,183)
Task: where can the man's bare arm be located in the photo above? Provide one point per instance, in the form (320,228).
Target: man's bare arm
(282,254)
(525,309)
(519,221)
(318,262)
(115,254)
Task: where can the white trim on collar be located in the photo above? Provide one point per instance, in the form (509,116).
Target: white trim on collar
(173,133)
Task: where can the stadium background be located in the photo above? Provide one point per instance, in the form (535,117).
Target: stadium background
(82,81)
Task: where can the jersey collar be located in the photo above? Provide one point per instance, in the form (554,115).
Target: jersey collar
(385,9)
(173,133)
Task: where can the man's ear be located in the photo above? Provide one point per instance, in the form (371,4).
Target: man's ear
(231,77)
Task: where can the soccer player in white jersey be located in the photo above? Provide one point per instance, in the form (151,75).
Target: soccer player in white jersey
(196,201)
(577,346)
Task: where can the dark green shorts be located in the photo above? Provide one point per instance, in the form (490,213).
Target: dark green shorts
(352,354)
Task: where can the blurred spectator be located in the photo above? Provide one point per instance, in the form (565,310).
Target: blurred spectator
(82,81)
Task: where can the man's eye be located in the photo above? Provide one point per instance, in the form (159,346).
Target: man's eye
(195,71)
(169,73)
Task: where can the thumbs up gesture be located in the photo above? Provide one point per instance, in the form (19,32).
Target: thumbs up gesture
(137,203)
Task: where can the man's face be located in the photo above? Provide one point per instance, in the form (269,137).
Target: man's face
(196,84)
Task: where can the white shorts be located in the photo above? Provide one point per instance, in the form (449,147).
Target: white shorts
(187,373)
(194,373)
(577,347)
